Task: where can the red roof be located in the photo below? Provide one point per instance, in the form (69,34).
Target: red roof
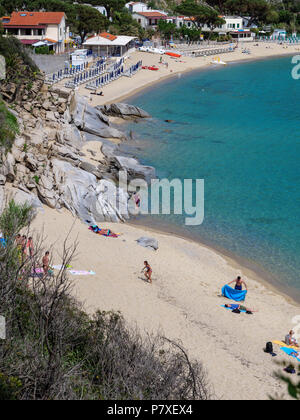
(34,18)
(108,36)
(152,14)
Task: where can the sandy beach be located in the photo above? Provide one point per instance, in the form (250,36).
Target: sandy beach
(124,87)
(184,301)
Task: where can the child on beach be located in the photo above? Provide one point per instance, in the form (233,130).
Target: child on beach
(147,271)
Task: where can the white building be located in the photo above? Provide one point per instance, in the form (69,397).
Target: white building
(106,45)
(137,7)
(149,19)
(34,27)
(101,9)
(231,23)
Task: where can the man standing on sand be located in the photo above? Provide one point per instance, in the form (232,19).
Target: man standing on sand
(147,270)
(30,247)
(238,284)
(46,263)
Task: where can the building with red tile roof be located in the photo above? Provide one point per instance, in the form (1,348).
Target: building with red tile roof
(149,18)
(32,27)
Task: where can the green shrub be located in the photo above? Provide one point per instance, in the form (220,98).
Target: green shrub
(8,128)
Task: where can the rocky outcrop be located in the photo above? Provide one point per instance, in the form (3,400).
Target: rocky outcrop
(91,120)
(124,111)
(46,164)
(133,168)
(88,198)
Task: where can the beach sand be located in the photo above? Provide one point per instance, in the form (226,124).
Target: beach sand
(124,87)
(184,302)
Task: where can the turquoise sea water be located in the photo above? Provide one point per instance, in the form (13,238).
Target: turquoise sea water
(238,128)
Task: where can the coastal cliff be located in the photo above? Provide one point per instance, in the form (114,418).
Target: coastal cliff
(46,164)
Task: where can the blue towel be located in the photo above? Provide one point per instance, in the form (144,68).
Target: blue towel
(289,352)
(237,295)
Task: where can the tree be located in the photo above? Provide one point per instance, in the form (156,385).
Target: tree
(166,29)
(89,20)
(213,20)
(257,10)
(111,6)
(198,12)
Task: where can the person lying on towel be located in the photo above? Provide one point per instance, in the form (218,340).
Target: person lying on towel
(103,232)
(238,283)
(234,306)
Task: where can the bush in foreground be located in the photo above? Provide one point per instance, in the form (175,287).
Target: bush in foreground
(54,350)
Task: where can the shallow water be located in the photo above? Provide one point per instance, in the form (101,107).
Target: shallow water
(238,128)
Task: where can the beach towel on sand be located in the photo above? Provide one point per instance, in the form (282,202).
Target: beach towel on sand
(82,273)
(282,344)
(231,309)
(290,352)
(236,295)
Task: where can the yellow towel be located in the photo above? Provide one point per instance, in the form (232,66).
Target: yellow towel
(282,344)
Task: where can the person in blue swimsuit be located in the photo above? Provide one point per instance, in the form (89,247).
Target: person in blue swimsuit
(238,283)
(240,307)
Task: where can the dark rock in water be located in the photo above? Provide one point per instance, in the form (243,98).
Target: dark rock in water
(123,111)
(169,121)
(148,243)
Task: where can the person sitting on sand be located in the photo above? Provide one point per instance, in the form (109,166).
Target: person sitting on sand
(238,283)
(239,307)
(147,271)
(290,340)
(45,262)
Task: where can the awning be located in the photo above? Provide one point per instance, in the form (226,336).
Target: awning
(29,41)
(39,44)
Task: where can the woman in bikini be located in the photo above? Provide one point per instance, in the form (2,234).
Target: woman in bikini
(147,271)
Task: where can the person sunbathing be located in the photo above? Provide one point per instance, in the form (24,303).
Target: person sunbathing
(290,340)
(238,283)
(296,354)
(234,306)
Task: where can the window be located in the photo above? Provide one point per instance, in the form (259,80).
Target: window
(237,25)
(13,31)
(25,32)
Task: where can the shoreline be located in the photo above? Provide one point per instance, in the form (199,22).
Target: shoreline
(143,89)
(269,280)
(249,268)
